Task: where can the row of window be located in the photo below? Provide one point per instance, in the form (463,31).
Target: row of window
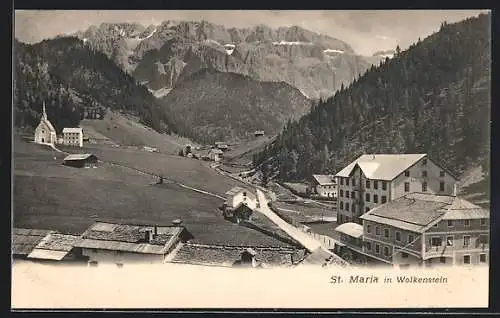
(466,223)
(424,173)
(367,183)
(424,186)
(368,246)
(397,234)
(438,241)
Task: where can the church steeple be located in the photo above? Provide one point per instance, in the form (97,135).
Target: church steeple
(44,113)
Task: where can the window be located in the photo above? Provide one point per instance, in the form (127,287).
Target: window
(341,205)
(436,225)
(466,240)
(368,228)
(404,255)
(410,238)
(377,248)
(449,241)
(407,187)
(384,185)
(341,181)
(442,260)
(244,194)
(368,246)
(384,199)
(483,222)
(386,233)
(441,186)
(482,258)
(347,181)
(424,162)
(424,186)
(466,223)
(398,236)
(353,194)
(367,197)
(347,194)
(353,181)
(375,184)
(367,209)
(368,184)
(353,208)
(375,198)
(347,206)
(483,239)
(436,241)
(407,173)
(441,173)
(341,193)
(450,223)
(377,230)
(386,251)
(466,259)
(424,174)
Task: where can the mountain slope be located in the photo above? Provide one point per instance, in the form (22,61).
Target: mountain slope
(165,54)
(73,79)
(212,105)
(432,98)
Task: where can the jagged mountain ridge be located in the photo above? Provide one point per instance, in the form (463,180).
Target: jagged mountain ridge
(432,98)
(165,54)
(214,106)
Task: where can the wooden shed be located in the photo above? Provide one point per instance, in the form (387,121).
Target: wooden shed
(81,160)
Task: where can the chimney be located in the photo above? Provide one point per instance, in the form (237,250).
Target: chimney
(148,236)
(155,231)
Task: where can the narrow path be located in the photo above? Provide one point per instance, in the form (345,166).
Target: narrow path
(308,242)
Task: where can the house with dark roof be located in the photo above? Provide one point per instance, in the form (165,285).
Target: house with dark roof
(57,247)
(237,256)
(324,185)
(239,204)
(81,160)
(25,240)
(113,243)
(375,179)
(423,229)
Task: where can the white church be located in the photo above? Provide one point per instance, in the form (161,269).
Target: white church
(45,133)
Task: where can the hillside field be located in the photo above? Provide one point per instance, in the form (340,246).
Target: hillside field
(49,195)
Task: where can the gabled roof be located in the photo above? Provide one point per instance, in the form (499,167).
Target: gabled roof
(25,240)
(48,123)
(324,179)
(129,238)
(82,156)
(351,229)
(54,246)
(381,166)
(417,211)
(72,130)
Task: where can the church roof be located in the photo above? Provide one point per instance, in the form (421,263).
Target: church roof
(48,124)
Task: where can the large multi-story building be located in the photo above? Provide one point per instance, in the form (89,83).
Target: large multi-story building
(421,229)
(73,136)
(371,180)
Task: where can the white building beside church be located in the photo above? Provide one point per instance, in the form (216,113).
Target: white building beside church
(45,133)
(73,136)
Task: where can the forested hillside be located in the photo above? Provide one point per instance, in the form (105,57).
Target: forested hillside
(432,98)
(71,79)
(212,105)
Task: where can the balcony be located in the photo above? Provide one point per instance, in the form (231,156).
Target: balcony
(436,251)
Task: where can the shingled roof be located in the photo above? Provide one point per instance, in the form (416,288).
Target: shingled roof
(381,166)
(129,238)
(416,211)
(25,240)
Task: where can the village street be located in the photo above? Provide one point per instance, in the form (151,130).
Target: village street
(307,241)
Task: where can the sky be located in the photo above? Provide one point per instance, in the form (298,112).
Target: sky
(367,31)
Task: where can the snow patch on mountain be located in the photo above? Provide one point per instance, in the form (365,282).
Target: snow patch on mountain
(151,34)
(292,43)
(159,93)
(327,51)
